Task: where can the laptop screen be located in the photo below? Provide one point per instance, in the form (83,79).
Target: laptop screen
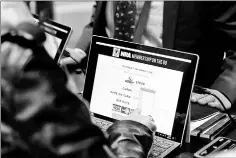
(127,78)
(57,36)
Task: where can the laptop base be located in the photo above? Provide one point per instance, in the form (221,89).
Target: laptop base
(160,148)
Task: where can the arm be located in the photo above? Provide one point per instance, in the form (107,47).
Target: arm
(57,124)
(50,120)
(224,87)
(224,14)
(130,139)
(132,136)
(84,40)
(41,117)
(78,56)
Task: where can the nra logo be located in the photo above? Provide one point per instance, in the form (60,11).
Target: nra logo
(116,52)
(125,54)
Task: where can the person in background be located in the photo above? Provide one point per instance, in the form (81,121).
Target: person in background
(207,29)
(41,117)
(42,7)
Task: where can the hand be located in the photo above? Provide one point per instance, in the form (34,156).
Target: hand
(208,99)
(14,13)
(145,120)
(75,57)
(15,56)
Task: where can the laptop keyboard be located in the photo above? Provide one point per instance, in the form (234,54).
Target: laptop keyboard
(159,145)
(103,124)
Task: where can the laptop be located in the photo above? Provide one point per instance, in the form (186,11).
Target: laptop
(57,36)
(123,76)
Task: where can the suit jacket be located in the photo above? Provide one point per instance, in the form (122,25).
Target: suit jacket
(204,28)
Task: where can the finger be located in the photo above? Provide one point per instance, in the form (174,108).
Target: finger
(151,118)
(136,112)
(25,58)
(216,104)
(15,55)
(207,99)
(76,54)
(222,97)
(70,50)
(192,96)
(5,52)
(151,125)
(67,61)
(196,97)
(145,120)
(20,53)
(75,50)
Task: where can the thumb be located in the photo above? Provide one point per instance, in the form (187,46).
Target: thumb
(76,54)
(136,112)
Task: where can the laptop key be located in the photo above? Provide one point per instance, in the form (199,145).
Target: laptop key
(161,150)
(164,144)
(154,154)
(99,124)
(105,127)
(157,141)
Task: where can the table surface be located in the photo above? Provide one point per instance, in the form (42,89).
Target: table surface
(188,149)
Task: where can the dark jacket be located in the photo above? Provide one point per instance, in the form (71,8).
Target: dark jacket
(204,28)
(41,118)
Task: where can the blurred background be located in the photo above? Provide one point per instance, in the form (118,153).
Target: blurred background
(73,14)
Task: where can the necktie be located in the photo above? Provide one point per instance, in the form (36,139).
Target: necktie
(124,20)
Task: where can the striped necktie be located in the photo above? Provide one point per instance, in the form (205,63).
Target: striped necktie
(124,20)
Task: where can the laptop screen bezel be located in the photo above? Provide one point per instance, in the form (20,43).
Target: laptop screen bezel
(186,86)
(64,36)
